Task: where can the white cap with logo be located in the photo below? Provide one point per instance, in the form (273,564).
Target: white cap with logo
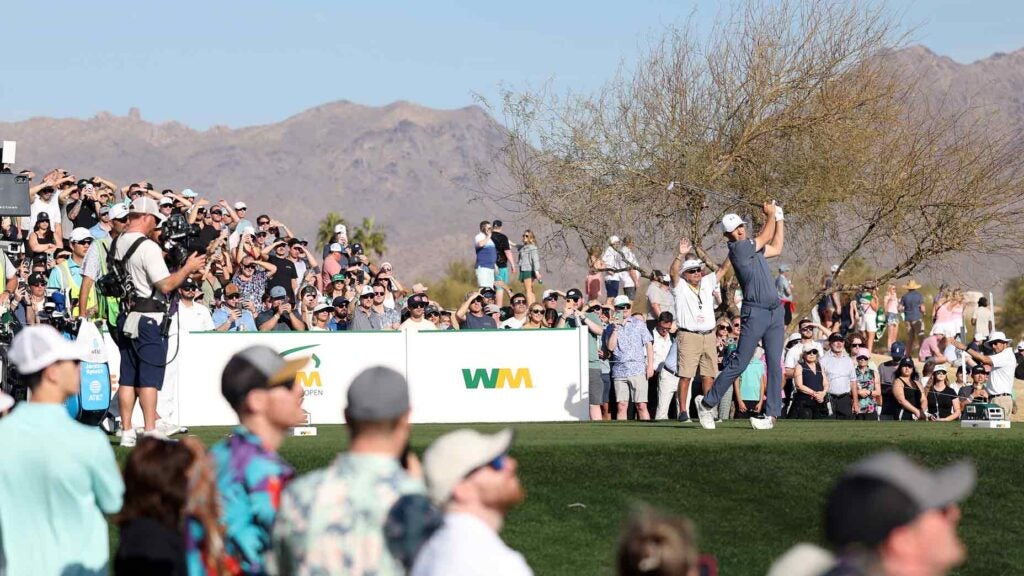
(146,205)
(731,222)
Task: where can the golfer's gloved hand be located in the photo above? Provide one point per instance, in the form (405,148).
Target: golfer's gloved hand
(778,214)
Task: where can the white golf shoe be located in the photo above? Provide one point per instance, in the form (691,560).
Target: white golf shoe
(705,415)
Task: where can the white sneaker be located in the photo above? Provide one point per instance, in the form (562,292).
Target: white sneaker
(155,433)
(128,439)
(762,423)
(168,428)
(705,415)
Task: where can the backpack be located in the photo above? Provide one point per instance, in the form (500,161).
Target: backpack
(117,282)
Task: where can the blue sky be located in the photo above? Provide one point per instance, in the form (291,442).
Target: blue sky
(242,63)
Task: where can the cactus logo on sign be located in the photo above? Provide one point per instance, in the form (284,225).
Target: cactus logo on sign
(310,379)
(493,378)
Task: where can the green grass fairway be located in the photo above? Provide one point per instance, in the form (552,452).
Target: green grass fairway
(752,494)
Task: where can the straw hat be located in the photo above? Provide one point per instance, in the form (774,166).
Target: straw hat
(912,285)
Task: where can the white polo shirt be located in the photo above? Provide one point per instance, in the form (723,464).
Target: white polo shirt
(466,546)
(840,370)
(695,307)
(1000,379)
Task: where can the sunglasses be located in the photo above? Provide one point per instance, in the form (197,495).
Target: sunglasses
(498,464)
(736,325)
(366,296)
(85,242)
(433,315)
(691,271)
(811,353)
(623,307)
(807,329)
(536,311)
(375,293)
(724,327)
(37,283)
(263,223)
(233,297)
(248,266)
(416,305)
(519,303)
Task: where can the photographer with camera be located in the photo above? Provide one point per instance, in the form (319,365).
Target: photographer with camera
(140,336)
(66,276)
(280,317)
(94,265)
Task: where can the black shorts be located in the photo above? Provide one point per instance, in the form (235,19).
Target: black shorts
(142,359)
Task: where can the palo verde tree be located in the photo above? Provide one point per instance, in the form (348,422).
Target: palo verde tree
(792,101)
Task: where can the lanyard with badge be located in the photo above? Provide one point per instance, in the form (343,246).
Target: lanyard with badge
(700,303)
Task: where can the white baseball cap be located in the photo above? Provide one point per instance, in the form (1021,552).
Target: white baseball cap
(39,346)
(167,201)
(731,222)
(118,211)
(241,206)
(335,247)
(613,239)
(366,291)
(621,299)
(456,455)
(79,234)
(340,229)
(834,268)
(188,193)
(692,263)
(146,205)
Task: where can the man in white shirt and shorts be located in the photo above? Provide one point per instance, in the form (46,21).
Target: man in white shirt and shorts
(695,315)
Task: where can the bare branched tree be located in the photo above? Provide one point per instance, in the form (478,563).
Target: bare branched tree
(792,101)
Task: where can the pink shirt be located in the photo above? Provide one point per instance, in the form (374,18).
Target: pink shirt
(948,313)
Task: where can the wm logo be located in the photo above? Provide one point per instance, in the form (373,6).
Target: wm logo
(496,378)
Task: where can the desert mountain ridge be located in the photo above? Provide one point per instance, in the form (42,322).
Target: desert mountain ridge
(414,169)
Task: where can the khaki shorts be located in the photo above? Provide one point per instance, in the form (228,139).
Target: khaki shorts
(697,350)
(632,387)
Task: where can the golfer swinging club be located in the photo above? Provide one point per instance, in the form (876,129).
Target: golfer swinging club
(761,314)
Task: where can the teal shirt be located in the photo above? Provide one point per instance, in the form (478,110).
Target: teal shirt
(57,480)
(750,380)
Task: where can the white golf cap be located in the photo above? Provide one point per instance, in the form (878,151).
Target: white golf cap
(834,268)
(456,455)
(731,222)
(323,306)
(146,205)
(118,211)
(691,264)
(79,234)
(997,336)
(621,300)
(613,239)
(241,206)
(794,337)
(335,247)
(188,193)
(340,229)
(39,346)
(366,291)
(167,201)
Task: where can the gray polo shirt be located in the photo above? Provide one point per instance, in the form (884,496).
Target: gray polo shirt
(840,370)
(754,274)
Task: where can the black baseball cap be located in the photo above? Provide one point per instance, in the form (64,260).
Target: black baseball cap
(574,294)
(37,278)
(340,301)
(254,368)
(487,292)
(835,337)
(884,491)
(188,284)
(978,369)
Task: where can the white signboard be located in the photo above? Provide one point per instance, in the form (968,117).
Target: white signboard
(479,376)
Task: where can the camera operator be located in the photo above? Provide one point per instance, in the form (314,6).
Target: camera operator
(280,317)
(94,266)
(140,338)
(66,275)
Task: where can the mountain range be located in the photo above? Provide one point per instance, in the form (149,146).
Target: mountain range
(413,169)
